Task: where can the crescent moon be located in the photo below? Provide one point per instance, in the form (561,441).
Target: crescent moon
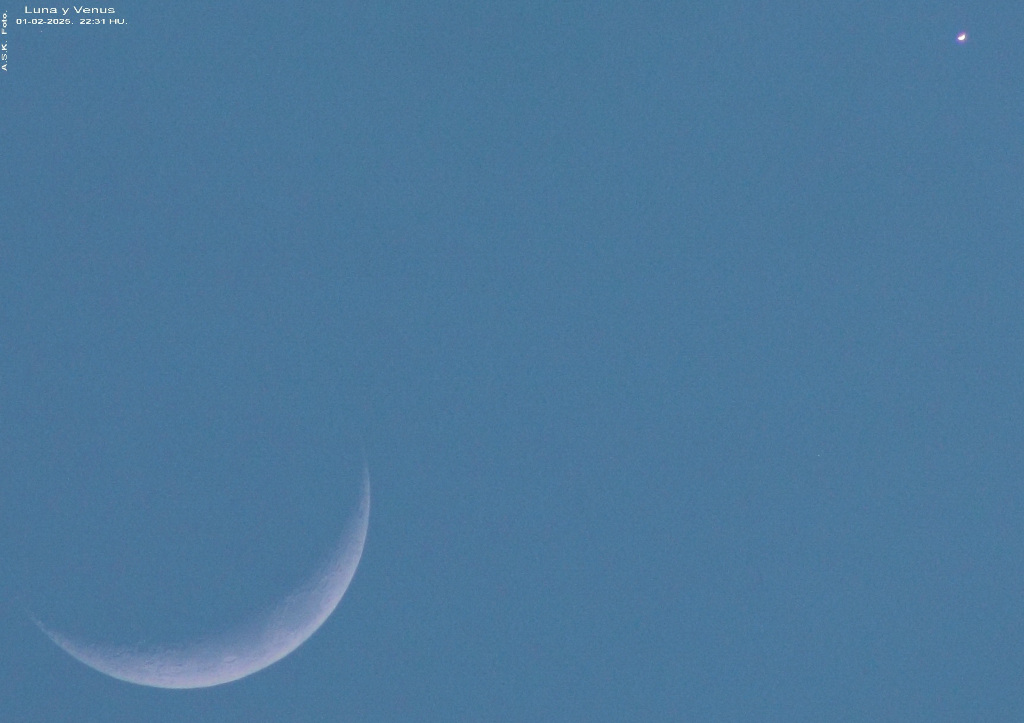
(243,650)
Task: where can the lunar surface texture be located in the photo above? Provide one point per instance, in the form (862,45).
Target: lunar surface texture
(247,648)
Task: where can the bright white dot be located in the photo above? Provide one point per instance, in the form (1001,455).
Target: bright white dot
(961,38)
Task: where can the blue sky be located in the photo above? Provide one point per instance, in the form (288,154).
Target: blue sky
(683,344)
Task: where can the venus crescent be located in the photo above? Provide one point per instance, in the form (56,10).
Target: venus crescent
(246,649)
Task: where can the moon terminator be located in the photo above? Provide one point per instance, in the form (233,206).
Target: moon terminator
(244,650)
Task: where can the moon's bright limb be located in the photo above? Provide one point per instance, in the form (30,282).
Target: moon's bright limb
(245,650)
(962,37)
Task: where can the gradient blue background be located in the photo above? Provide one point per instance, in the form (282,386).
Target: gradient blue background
(684,341)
